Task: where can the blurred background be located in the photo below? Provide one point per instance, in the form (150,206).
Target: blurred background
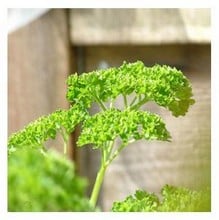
(45,46)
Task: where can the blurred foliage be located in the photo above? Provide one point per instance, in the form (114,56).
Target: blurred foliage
(38,182)
(175,199)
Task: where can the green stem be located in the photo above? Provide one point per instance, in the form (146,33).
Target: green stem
(125,101)
(111,103)
(100,102)
(116,153)
(133,101)
(65,148)
(97,185)
(110,148)
(65,137)
(105,156)
(106,159)
(102,105)
(43,149)
(140,103)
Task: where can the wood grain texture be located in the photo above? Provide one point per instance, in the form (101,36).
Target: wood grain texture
(38,64)
(149,165)
(139,26)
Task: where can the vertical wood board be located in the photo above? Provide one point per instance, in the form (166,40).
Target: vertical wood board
(38,65)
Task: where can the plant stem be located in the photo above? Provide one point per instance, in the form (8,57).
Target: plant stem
(111,103)
(110,148)
(133,101)
(116,153)
(65,137)
(65,148)
(105,156)
(140,103)
(106,159)
(99,101)
(125,101)
(43,150)
(97,185)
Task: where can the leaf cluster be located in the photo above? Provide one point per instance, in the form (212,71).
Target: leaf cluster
(175,199)
(44,183)
(127,125)
(166,86)
(141,202)
(47,127)
(185,200)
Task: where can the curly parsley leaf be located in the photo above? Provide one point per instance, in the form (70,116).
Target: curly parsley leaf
(175,199)
(166,86)
(128,125)
(46,127)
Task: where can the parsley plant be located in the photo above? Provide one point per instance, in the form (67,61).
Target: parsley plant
(166,86)
(174,199)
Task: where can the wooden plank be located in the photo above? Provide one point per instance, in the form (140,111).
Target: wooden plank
(149,165)
(139,26)
(39,61)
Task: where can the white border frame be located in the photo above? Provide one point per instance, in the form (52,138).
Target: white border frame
(108,4)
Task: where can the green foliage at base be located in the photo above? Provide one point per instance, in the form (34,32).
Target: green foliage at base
(175,199)
(38,182)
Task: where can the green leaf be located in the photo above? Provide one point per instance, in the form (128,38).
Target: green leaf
(38,132)
(141,202)
(128,124)
(38,183)
(175,199)
(182,199)
(166,86)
